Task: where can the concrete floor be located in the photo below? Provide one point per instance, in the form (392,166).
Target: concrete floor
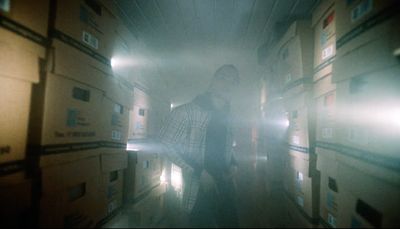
(259,206)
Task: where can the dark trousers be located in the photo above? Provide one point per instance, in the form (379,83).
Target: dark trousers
(215,209)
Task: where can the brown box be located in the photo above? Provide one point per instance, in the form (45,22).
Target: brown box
(31,16)
(138,122)
(14,111)
(301,124)
(89,26)
(296,55)
(74,126)
(368,35)
(323,22)
(143,173)
(325,99)
(15,198)
(70,194)
(368,114)
(366,201)
(327,164)
(294,218)
(112,169)
(149,210)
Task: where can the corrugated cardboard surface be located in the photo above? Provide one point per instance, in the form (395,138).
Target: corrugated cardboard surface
(112,192)
(15,198)
(33,16)
(70,194)
(14,111)
(19,57)
(76,119)
(327,164)
(295,54)
(143,173)
(324,34)
(365,201)
(138,122)
(325,94)
(76,17)
(367,111)
(369,51)
(116,121)
(293,216)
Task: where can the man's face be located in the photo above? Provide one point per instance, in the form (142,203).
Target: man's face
(224,87)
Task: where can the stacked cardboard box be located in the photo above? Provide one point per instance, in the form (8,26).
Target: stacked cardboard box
(139,116)
(301,180)
(79,116)
(357,151)
(149,211)
(143,173)
(23,36)
(112,182)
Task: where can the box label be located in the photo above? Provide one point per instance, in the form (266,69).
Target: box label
(118,109)
(361,10)
(5,5)
(327,52)
(331,220)
(330,201)
(76,118)
(5,149)
(296,140)
(90,40)
(116,135)
(327,132)
(300,201)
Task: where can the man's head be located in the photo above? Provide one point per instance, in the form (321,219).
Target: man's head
(225,80)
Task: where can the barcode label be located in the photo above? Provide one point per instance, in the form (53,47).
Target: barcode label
(116,135)
(327,52)
(90,40)
(327,133)
(5,5)
(361,10)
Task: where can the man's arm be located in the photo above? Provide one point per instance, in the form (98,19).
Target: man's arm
(172,136)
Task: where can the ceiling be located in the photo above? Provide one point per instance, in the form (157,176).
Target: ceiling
(186,40)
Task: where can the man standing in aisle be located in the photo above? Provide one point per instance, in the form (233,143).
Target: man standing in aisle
(197,137)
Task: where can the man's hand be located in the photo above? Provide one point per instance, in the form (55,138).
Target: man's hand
(207,182)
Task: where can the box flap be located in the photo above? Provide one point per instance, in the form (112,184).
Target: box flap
(113,162)
(19,57)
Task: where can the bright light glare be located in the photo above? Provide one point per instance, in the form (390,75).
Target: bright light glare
(162,177)
(176,177)
(113,62)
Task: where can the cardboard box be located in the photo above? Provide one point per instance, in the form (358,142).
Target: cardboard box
(301,124)
(76,120)
(116,121)
(295,218)
(15,198)
(31,16)
(366,201)
(325,94)
(367,114)
(327,164)
(303,189)
(368,43)
(295,55)
(19,57)
(323,22)
(138,123)
(149,210)
(70,194)
(14,111)
(143,173)
(88,24)
(112,169)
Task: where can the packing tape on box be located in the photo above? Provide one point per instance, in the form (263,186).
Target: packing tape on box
(23,31)
(72,147)
(12,167)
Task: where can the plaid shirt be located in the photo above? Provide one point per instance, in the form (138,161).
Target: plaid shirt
(184,139)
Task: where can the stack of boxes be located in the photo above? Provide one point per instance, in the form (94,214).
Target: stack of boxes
(362,152)
(23,35)
(301,180)
(324,24)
